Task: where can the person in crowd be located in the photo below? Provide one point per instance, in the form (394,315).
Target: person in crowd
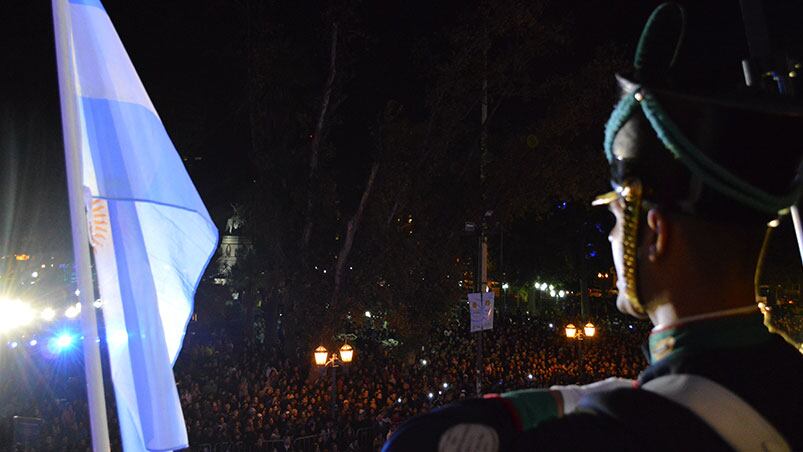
(264,400)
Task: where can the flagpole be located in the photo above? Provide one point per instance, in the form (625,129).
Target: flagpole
(798,229)
(78,223)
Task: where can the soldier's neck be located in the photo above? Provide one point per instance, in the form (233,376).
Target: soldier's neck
(683,301)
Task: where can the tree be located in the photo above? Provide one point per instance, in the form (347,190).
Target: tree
(395,246)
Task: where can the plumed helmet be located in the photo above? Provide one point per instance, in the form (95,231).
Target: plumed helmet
(694,135)
(701,131)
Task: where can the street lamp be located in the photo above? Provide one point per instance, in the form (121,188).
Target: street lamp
(589,330)
(320,355)
(324,360)
(505,287)
(347,353)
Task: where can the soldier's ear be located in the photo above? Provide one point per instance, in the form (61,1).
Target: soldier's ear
(657,234)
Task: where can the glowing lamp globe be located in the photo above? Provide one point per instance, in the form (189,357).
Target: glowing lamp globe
(571,331)
(320,355)
(589,330)
(346,353)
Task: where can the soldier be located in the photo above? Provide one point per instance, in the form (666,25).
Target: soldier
(699,169)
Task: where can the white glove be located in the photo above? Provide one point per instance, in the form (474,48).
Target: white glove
(572,394)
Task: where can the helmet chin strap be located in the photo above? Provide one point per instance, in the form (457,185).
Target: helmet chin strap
(631,193)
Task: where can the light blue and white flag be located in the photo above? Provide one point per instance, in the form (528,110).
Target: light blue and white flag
(151,234)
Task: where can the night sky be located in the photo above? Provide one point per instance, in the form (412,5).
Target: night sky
(191,59)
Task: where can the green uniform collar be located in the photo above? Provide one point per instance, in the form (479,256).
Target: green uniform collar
(686,338)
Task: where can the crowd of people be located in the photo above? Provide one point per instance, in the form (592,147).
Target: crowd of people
(254,397)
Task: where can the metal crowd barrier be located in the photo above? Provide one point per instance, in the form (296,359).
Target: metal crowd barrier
(309,443)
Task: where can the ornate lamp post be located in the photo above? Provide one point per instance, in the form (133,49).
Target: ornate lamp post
(589,331)
(324,360)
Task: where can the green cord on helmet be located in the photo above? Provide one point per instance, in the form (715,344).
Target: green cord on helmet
(712,174)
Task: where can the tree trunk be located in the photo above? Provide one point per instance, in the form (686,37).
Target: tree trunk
(249,303)
(351,231)
(270,307)
(315,144)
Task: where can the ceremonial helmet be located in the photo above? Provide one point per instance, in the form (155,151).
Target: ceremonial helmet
(700,131)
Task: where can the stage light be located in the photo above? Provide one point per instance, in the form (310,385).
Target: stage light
(73,311)
(430,395)
(13,344)
(48,314)
(61,342)
(33,342)
(64,340)
(14,314)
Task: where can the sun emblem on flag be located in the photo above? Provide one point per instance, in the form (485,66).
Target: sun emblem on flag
(98,223)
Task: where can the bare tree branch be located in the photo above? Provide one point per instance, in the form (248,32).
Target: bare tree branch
(351,231)
(315,144)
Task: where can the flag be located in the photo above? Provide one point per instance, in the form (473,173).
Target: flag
(481,308)
(150,232)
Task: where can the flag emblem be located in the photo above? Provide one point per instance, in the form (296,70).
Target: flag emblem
(98,223)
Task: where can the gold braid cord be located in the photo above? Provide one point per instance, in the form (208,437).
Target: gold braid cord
(631,193)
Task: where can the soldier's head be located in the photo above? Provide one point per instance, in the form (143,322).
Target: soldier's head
(700,163)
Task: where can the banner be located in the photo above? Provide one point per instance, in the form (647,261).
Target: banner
(481,307)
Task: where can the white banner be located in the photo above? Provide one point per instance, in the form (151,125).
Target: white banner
(481,307)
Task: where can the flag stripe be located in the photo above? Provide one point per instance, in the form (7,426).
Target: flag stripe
(95,3)
(154,386)
(102,64)
(177,275)
(143,171)
(111,148)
